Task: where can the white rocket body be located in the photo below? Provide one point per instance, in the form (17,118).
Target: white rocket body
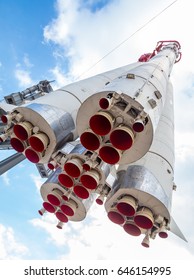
(123,117)
(54,114)
(146,186)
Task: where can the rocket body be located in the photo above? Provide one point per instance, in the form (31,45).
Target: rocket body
(109,137)
(146,186)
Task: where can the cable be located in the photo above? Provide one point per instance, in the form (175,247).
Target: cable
(111,51)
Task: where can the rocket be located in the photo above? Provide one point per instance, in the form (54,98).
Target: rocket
(108,139)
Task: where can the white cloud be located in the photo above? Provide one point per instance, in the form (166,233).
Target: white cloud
(10,248)
(22,73)
(63,25)
(27,62)
(48,223)
(37,180)
(184,145)
(23,77)
(98,238)
(6,178)
(60,77)
(85,37)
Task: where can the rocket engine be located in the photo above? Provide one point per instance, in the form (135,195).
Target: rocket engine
(109,139)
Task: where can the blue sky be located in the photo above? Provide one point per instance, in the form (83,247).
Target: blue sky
(22,36)
(61,40)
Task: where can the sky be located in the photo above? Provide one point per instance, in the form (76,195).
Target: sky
(64,40)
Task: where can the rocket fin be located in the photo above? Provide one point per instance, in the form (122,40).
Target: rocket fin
(176,230)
